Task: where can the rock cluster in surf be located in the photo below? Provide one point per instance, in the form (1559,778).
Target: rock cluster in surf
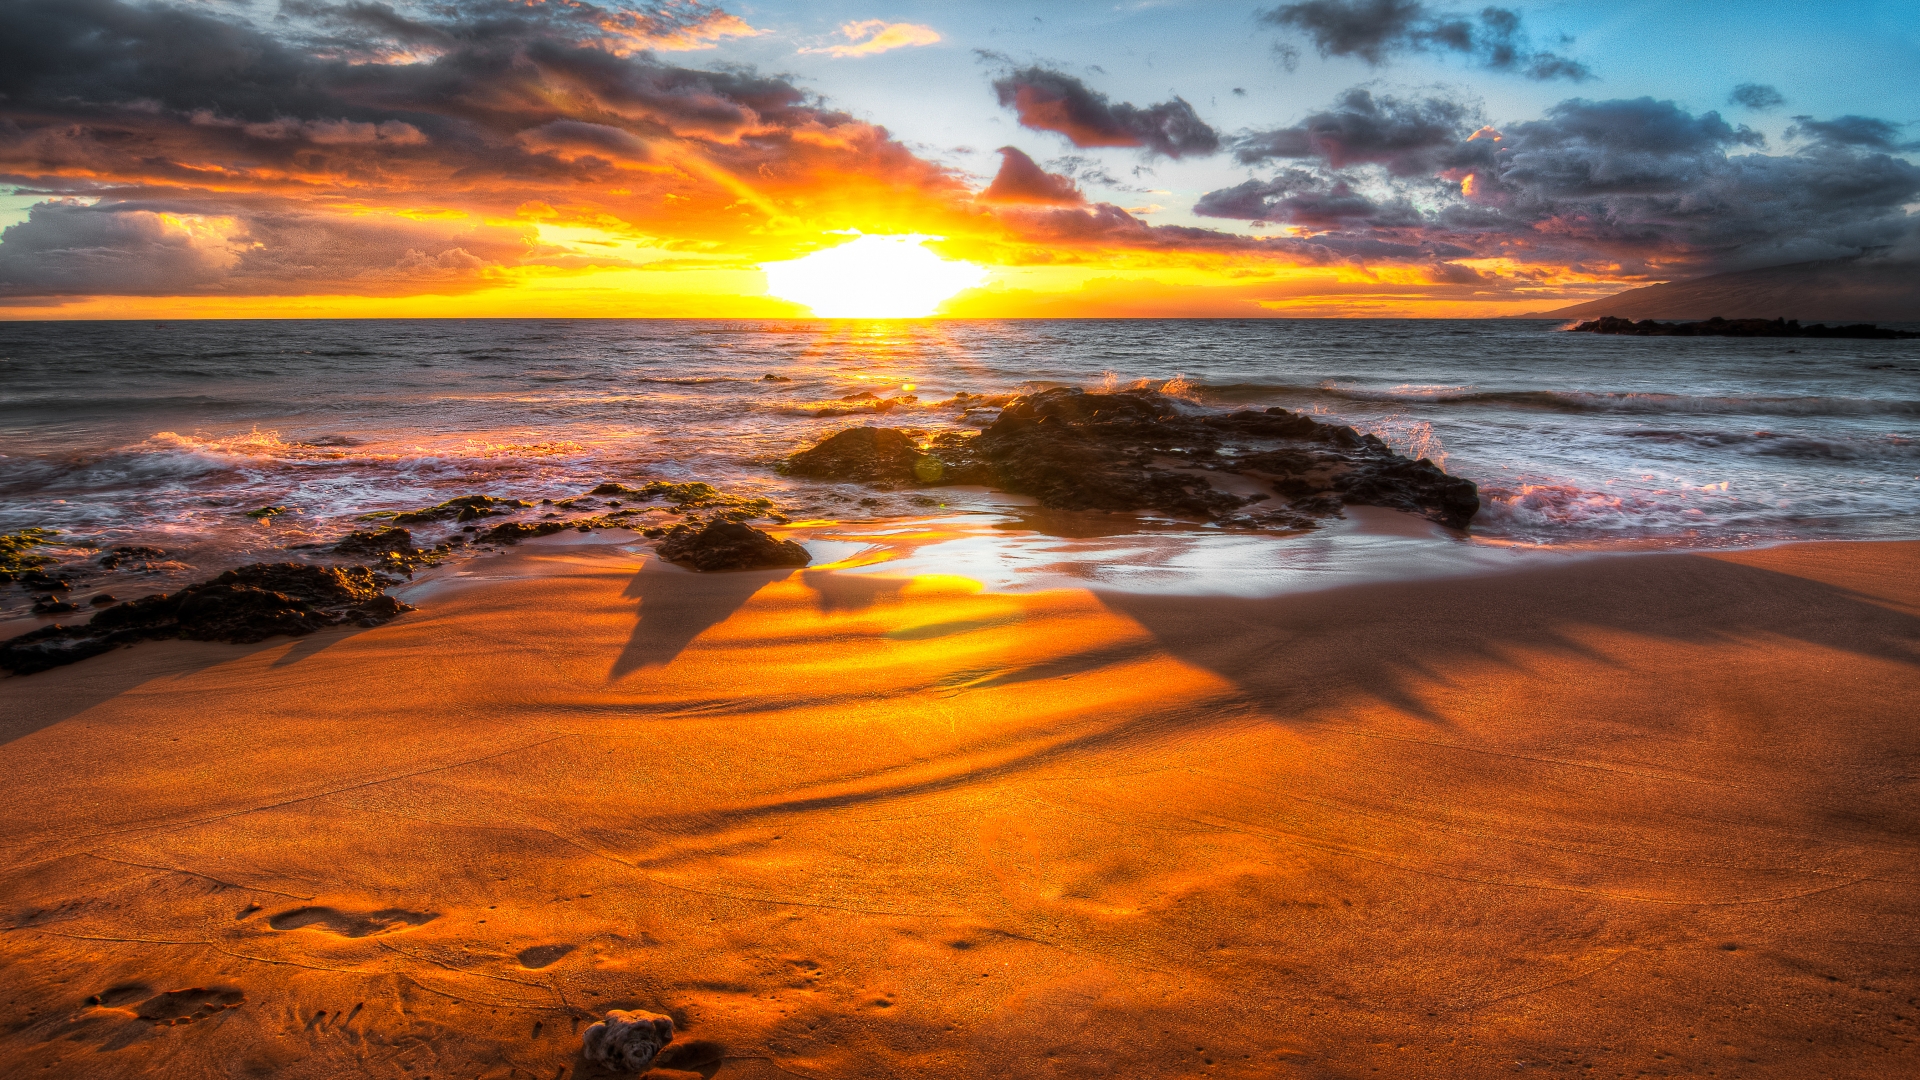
(1142,449)
(250,604)
(1718,327)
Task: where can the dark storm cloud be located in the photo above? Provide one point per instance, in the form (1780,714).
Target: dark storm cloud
(1049,100)
(1378,30)
(1756,96)
(1408,137)
(1635,183)
(1859,131)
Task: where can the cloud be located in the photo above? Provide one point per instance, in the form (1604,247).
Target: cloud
(1049,100)
(69,247)
(1631,185)
(1021,181)
(1853,131)
(873,36)
(623,27)
(350,146)
(1378,30)
(1408,137)
(1756,96)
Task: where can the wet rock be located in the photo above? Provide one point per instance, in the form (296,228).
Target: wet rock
(377,543)
(45,582)
(692,495)
(131,557)
(869,455)
(1144,450)
(266,513)
(250,604)
(464,508)
(1718,327)
(729,545)
(17,557)
(52,605)
(103,599)
(513,532)
(627,1040)
(770,377)
(391,549)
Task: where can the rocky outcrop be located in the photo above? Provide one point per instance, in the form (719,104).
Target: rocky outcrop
(1143,450)
(464,508)
(627,1040)
(1717,327)
(250,604)
(729,545)
(869,455)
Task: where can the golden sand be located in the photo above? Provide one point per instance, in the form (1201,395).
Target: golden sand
(1649,814)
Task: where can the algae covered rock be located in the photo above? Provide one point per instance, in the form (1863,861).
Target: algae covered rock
(627,1040)
(17,557)
(729,545)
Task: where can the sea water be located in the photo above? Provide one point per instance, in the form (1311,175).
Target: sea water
(168,433)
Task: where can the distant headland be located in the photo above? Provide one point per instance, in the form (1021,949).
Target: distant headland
(1718,327)
(1870,288)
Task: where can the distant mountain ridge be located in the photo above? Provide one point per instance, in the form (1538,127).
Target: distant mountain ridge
(1861,289)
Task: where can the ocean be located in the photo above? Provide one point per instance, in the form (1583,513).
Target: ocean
(166,434)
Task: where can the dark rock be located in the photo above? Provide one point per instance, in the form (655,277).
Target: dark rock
(692,495)
(1144,450)
(250,604)
(131,557)
(391,548)
(870,455)
(103,599)
(45,582)
(464,508)
(770,377)
(627,1041)
(1718,327)
(729,545)
(52,605)
(513,532)
(266,513)
(377,542)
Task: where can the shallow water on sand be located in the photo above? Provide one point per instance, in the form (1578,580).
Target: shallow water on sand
(167,433)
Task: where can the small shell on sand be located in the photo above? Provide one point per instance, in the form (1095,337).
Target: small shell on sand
(627,1041)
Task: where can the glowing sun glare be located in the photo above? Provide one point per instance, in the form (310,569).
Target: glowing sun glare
(872,277)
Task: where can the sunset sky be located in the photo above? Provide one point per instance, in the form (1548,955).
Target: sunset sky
(1164,158)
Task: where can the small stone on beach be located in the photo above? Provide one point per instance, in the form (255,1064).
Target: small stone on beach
(627,1041)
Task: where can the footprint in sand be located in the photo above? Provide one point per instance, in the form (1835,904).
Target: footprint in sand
(350,923)
(119,996)
(540,956)
(186,1006)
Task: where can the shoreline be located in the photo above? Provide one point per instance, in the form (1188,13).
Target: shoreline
(1621,812)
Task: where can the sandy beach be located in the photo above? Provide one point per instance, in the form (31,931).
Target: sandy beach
(1651,814)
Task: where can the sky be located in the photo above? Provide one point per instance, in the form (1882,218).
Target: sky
(305,158)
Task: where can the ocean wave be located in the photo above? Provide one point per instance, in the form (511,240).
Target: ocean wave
(1576,401)
(1798,446)
(260,445)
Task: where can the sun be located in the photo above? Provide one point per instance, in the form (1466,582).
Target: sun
(872,277)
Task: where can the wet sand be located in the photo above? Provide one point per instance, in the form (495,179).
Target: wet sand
(1643,814)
